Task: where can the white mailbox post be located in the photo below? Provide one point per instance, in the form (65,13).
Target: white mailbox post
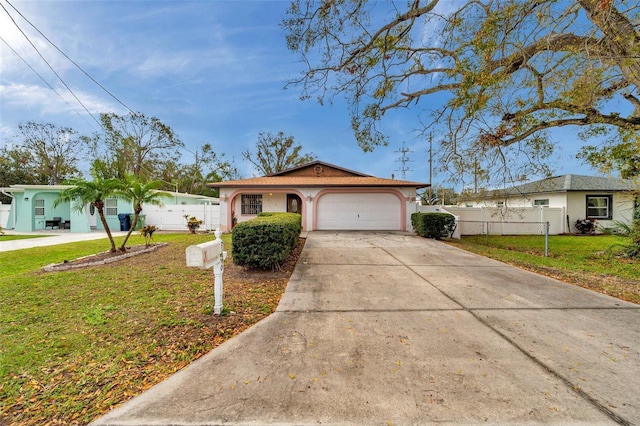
(210,255)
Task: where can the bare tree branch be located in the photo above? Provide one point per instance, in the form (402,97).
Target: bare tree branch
(509,69)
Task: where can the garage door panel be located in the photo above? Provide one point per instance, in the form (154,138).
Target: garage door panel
(344,211)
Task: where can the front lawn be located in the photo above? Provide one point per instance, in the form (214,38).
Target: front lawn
(74,344)
(586,261)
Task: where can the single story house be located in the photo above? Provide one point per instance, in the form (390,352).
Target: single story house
(602,198)
(327,196)
(32,209)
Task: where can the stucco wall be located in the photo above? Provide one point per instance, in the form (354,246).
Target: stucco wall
(623,207)
(26,220)
(275,200)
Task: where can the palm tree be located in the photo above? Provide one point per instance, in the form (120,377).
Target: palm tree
(95,192)
(139,193)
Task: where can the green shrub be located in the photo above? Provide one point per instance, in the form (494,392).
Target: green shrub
(267,241)
(193,223)
(632,248)
(433,225)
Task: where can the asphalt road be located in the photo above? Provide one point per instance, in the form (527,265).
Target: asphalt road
(388,328)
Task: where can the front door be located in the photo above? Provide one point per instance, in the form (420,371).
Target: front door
(294,204)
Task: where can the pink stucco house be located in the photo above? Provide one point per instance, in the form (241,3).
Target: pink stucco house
(327,196)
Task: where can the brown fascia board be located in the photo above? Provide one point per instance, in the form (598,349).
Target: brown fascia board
(416,185)
(320,182)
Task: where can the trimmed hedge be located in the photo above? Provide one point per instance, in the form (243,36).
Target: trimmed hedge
(266,241)
(433,225)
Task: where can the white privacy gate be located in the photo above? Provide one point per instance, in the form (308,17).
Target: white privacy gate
(4,215)
(171,216)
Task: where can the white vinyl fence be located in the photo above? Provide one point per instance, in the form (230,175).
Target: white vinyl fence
(171,216)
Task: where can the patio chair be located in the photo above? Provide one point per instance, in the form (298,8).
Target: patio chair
(53,223)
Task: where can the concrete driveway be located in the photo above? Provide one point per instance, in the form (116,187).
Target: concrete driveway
(53,238)
(389,328)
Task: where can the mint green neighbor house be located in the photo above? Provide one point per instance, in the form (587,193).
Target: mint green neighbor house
(32,209)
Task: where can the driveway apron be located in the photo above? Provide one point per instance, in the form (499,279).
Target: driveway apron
(52,238)
(388,328)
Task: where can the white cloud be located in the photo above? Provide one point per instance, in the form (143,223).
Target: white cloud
(44,102)
(212,70)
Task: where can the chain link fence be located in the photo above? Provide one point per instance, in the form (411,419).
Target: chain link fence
(504,228)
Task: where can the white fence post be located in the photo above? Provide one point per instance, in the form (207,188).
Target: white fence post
(546,239)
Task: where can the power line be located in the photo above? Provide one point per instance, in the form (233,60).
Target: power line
(57,75)
(49,65)
(42,78)
(71,60)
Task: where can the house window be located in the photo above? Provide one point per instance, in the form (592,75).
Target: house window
(251,203)
(599,206)
(39,204)
(111,207)
(541,202)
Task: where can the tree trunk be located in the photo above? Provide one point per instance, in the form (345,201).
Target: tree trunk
(107,230)
(620,37)
(133,226)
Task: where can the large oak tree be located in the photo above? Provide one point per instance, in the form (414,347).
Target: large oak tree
(207,166)
(495,76)
(133,144)
(275,153)
(43,153)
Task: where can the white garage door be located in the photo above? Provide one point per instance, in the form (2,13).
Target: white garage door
(359,212)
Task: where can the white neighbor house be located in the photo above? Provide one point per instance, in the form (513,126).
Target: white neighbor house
(601,198)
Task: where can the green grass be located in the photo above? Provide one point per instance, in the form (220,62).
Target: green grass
(590,261)
(75,343)
(19,261)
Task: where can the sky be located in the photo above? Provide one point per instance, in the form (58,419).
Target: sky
(214,71)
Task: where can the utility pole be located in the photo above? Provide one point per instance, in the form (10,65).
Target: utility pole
(430,168)
(475,176)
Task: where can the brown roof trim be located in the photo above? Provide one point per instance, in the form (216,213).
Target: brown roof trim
(308,181)
(313,163)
